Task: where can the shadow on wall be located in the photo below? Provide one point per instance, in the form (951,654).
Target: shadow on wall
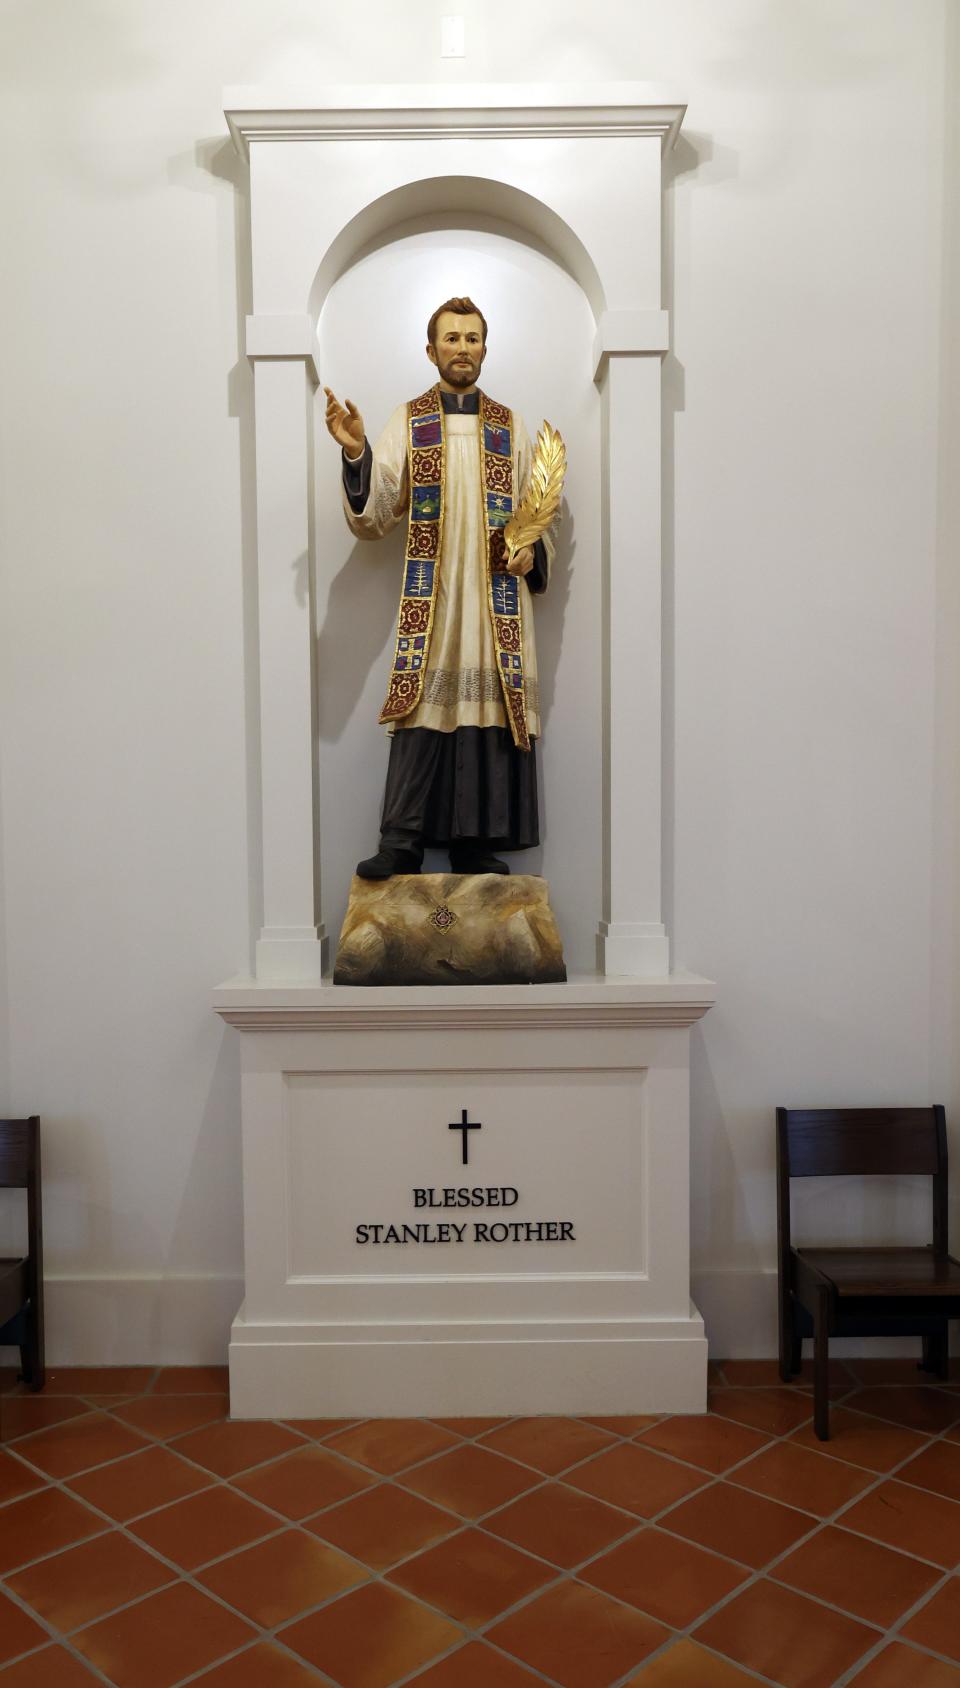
(733,1275)
(212,1186)
(720,1189)
(363,597)
(551,611)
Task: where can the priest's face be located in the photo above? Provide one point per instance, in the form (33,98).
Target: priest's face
(459,351)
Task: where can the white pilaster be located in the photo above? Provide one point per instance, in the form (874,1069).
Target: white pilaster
(291,943)
(632,937)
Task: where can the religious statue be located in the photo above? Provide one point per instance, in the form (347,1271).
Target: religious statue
(462,704)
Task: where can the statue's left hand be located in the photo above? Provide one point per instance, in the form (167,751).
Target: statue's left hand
(522,561)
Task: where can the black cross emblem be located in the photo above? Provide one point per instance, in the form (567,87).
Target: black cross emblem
(462,1126)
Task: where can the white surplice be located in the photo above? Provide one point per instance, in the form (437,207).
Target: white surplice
(461,685)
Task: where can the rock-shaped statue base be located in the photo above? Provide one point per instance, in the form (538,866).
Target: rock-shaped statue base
(450,929)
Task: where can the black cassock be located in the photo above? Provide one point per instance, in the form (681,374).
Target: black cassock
(473,784)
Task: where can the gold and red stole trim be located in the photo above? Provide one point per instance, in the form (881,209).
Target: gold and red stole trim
(426,463)
(503,589)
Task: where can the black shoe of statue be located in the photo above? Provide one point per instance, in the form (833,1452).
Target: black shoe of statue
(388,862)
(475,863)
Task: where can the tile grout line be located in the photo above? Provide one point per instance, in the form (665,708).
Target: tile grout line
(558,1574)
(149,1440)
(218,1480)
(711,1480)
(617,1439)
(764,1571)
(185,1575)
(636,1525)
(57,1636)
(892,1634)
(376,1479)
(258,1641)
(180,1572)
(214,1478)
(231,1478)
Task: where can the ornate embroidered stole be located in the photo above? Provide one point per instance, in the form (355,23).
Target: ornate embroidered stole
(426,463)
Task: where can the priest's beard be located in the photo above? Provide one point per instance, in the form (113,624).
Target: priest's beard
(464,375)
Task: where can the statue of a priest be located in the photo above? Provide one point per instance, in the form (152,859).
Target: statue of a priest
(462,705)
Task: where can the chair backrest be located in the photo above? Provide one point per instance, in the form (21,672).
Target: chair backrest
(20,1168)
(826,1142)
(19,1153)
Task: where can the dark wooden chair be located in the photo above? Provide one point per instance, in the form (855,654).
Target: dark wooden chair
(21,1279)
(828,1292)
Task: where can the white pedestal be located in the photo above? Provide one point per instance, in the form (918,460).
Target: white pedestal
(561,1284)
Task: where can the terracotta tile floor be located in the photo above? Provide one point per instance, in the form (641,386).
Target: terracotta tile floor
(146,1541)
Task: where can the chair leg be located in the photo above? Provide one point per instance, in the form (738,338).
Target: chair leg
(821,1366)
(32,1368)
(936,1352)
(786,1340)
(789,1337)
(38,1365)
(796,1354)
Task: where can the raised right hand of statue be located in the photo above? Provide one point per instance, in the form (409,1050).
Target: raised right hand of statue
(345,423)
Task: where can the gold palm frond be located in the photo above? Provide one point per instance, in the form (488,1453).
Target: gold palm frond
(541,501)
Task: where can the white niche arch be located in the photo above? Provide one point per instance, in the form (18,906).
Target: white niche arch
(574,178)
(467,201)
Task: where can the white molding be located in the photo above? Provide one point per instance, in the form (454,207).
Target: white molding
(594,1002)
(629,334)
(283,337)
(142,1318)
(472,112)
(634,948)
(291,954)
(286,1370)
(279,336)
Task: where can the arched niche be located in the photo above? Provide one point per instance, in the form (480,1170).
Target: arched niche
(456,202)
(578,172)
(371,337)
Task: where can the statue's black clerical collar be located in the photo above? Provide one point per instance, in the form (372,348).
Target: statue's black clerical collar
(462,404)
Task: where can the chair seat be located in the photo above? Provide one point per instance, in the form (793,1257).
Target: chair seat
(13,1288)
(885,1271)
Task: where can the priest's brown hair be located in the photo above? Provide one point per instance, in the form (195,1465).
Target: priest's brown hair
(458,307)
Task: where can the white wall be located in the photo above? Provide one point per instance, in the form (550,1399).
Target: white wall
(811,604)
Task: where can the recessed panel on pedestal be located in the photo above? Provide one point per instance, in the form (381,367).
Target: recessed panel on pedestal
(459,1174)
